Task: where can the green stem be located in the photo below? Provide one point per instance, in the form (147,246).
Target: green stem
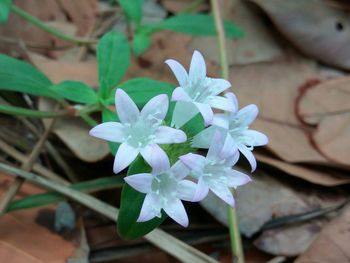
(18,111)
(236,242)
(40,24)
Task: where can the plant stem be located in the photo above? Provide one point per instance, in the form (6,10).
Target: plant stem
(236,242)
(42,25)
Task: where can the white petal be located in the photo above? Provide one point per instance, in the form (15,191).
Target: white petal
(124,156)
(178,70)
(151,208)
(229,149)
(222,103)
(249,155)
(110,131)
(206,112)
(198,69)
(126,108)
(194,162)
(176,211)
(221,120)
(156,158)
(183,112)
(167,135)
(157,107)
(180,170)
(236,178)
(218,85)
(215,146)
(140,182)
(223,193)
(234,100)
(186,190)
(203,139)
(258,138)
(179,94)
(202,190)
(247,115)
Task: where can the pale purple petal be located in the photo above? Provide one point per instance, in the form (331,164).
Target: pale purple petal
(167,135)
(206,112)
(140,182)
(124,156)
(110,131)
(221,120)
(179,94)
(156,158)
(236,178)
(202,190)
(249,155)
(183,112)
(179,170)
(194,162)
(151,208)
(198,69)
(178,70)
(126,109)
(223,193)
(186,190)
(247,115)
(234,100)
(203,139)
(229,149)
(157,108)
(218,85)
(222,103)
(258,138)
(215,146)
(176,211)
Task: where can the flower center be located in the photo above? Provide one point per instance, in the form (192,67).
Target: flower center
(199,90)
(141,133)
(215,173)
(164,185)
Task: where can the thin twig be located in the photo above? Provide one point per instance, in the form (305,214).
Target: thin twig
(159,238)
(26,166)
(236,242)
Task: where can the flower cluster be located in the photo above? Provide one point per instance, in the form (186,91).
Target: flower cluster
(226,135)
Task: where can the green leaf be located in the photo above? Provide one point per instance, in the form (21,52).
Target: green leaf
(113,56)
(108,115)
(140,43)
(5,6)
(53,197)
(16,75)
(75,91)
(18,111)
(130,207)
(141,90)
(194,24)
(132,9)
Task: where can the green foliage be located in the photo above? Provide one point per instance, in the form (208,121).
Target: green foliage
(5,6)
(140,42)
(16,75)
(132,9)
(194,24)
(130,207)
(113,56)
(75,91)
(53,197)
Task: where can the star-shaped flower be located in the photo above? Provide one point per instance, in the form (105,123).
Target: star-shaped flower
(235,125)
(139,132)
(164,189)
(197,93)
(214,171)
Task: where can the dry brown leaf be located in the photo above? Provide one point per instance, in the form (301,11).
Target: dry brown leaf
(176,6)
(317,28)
(257,45)
(332,245)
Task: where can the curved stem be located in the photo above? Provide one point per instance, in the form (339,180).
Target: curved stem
(236,242)
(37,22)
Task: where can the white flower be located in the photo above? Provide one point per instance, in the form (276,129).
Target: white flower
(197,93)
(214,171)
(164,189)
(139,132)
(235,125)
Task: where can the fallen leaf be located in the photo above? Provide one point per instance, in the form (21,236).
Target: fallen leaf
(317,28)
(332,244)
(177,6)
